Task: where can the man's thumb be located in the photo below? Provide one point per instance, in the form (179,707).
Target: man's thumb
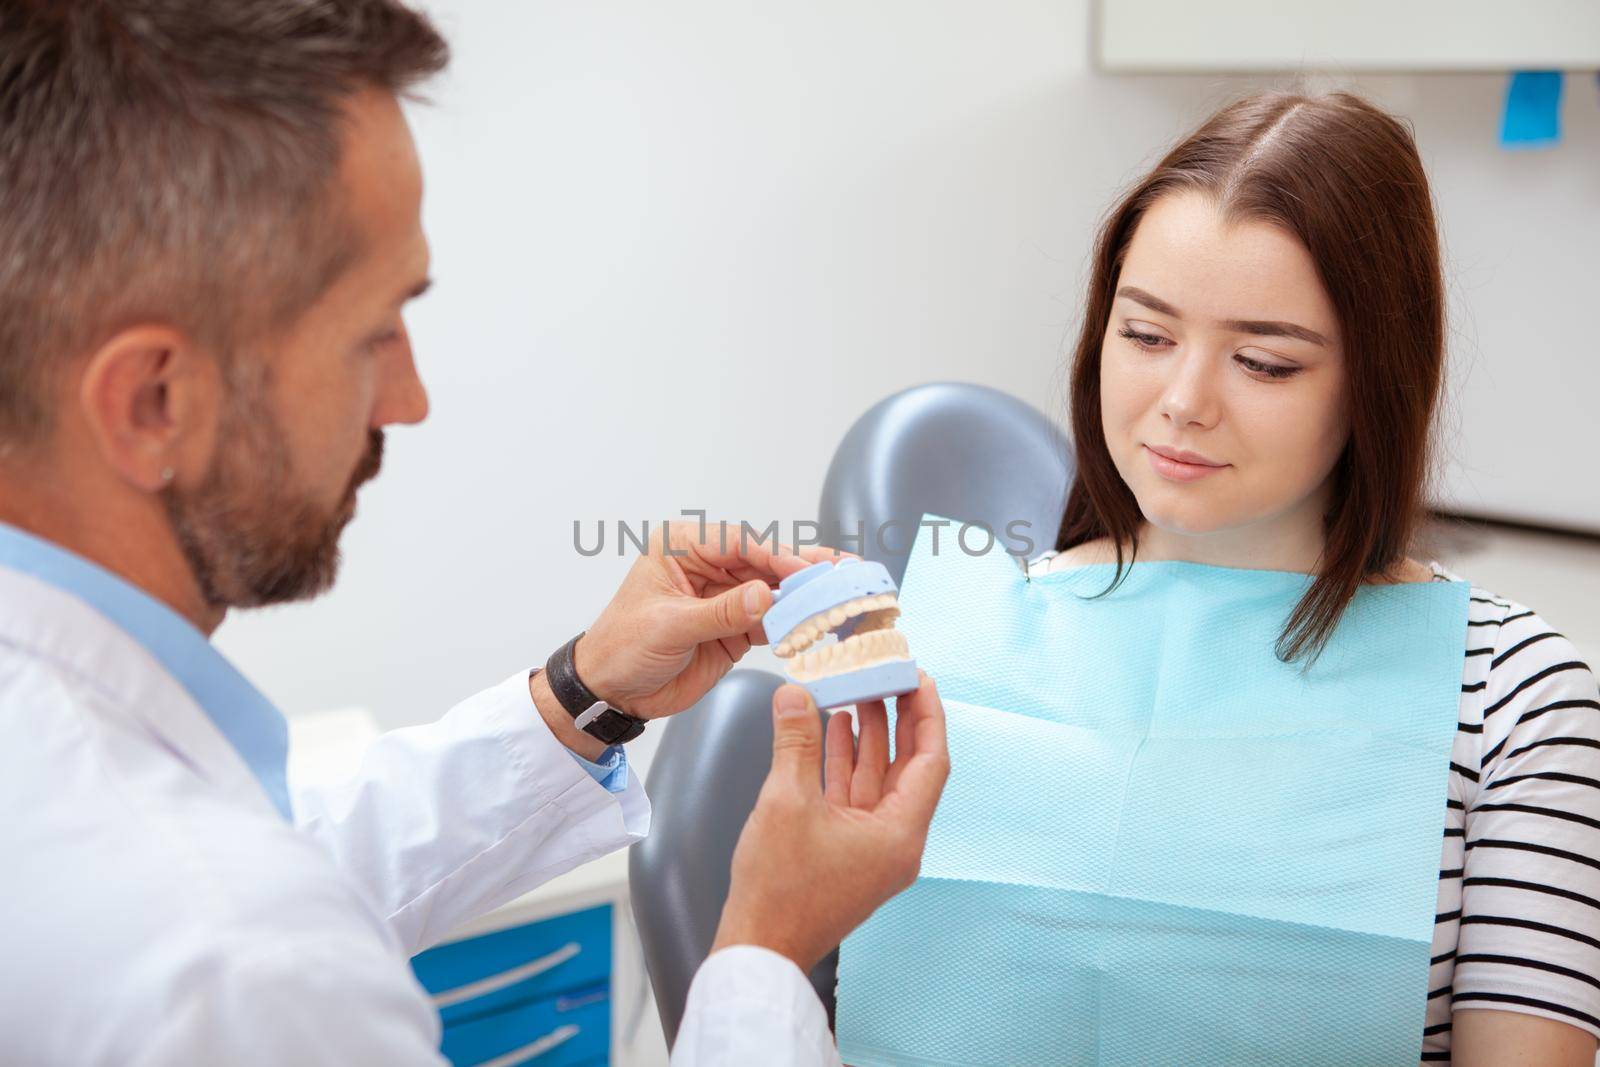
(734,612)
(796,738)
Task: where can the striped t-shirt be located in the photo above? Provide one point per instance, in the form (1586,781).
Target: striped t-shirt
(1518,921)
(1517,926)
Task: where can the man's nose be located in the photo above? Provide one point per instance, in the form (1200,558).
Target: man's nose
(402,398)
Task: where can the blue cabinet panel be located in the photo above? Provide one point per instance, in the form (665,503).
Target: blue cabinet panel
(485,974)
(569,1030)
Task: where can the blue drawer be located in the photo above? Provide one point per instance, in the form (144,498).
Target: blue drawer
(484,974)
(569,1030)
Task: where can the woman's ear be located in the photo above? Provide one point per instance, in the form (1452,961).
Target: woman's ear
(149,396)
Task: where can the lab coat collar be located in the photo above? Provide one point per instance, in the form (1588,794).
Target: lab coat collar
(53,625)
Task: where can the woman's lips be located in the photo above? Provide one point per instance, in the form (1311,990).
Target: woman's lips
(1179,470)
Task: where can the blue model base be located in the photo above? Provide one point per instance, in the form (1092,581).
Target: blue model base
(821,586)
(878,682)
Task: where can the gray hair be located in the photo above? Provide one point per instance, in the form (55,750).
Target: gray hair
(174,161)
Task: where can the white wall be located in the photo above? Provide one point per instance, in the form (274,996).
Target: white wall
(680,247)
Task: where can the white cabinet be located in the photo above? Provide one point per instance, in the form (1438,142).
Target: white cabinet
(1351,35)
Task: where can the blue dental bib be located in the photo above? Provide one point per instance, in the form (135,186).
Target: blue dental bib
(1159,844)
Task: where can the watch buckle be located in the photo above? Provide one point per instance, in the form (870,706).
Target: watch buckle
(590,714)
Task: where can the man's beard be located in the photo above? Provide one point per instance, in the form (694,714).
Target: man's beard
(249,538)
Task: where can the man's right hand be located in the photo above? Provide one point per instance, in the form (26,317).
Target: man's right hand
(815,860)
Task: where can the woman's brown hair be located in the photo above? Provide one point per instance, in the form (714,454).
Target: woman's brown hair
(1344,178)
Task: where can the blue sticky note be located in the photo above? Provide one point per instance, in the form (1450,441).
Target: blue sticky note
(1533,110)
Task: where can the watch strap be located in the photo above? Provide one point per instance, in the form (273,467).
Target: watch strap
(590,714)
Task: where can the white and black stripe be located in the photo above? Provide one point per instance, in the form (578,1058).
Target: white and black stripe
(1518,918)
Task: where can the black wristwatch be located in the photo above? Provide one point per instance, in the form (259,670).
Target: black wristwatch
(589,713)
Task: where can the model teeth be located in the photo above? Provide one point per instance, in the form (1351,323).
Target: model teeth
(853,653)
(876,613)
(881,619)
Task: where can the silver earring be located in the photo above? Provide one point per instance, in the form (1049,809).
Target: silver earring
(167,474)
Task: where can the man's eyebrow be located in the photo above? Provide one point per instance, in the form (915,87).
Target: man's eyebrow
(417,290)
(1257,327)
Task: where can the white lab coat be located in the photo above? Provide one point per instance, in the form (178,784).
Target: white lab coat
(160,911)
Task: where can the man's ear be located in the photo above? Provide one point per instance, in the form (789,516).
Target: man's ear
(149,395)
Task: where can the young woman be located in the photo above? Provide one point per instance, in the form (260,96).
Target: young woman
(1254,387)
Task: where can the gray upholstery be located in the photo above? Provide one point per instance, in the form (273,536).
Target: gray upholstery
(703,783)
(953,449)
(963,451)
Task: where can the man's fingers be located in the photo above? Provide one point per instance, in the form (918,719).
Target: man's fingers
(732,613)
(905,741)
(736,548)
(735,646)
(921,768)
(872,761)
(841,760)
(796,739)
(817,553)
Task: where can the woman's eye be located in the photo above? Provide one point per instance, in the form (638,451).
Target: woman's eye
(1141,339)
(1269,370)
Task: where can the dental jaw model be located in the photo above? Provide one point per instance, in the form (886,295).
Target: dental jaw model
(855,601)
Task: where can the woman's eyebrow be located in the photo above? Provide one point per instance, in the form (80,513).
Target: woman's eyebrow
(1149,300)
(1256,327)
(1276,329)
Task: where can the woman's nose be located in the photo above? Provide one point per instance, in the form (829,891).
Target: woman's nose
(1189,399)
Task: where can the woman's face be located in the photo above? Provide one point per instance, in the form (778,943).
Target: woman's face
(1222,374)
